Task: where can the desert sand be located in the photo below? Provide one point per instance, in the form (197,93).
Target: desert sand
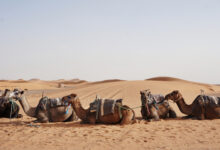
(171,134)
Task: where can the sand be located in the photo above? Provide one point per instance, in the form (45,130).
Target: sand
(172,134)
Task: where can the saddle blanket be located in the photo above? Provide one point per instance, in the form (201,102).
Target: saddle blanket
(155,98)
(210,99)
(46,102)
(104,106)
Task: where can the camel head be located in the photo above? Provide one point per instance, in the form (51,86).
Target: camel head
(71,99)
(144,96)
(174,96)
(16,94)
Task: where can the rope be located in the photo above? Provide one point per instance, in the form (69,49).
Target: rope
(12,107)
(130,108)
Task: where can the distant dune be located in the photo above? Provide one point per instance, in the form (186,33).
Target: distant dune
(34,79)
(107,81)
(18,81)
(166,79)
(72,82)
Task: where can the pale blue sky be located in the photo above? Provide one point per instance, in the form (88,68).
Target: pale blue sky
(105,39)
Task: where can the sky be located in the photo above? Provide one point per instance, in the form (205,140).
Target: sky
(117,39)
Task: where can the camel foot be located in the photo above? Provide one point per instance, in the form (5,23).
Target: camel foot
(187,117)
(20,116)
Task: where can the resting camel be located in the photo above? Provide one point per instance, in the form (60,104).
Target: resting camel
(8,107)
(86,116)
(49,114)
(155,107)
(203,107)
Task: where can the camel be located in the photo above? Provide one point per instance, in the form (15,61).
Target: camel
(154,107)
(49,114)
(8,107)
(87,116)
(203,107)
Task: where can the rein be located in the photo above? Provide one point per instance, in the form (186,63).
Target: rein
(130,108)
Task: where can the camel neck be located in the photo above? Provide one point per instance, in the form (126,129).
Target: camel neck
(184,108)
(80,111)
(30,111)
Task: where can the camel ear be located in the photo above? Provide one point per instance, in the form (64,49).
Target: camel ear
(176,91)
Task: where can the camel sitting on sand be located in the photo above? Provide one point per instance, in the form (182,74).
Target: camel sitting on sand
(45,111)
(87,116)
(203,107)
(8,107)
(155,107)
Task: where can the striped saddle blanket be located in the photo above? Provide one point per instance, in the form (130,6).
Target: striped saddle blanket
(104,107)
(213,100)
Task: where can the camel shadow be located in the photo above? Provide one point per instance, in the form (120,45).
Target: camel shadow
(76,124)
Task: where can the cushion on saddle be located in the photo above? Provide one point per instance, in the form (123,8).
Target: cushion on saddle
(213,100)
(155,98)
(104,106)
(46,102)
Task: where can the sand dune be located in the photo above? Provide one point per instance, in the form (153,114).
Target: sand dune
(166,134)
(165,79)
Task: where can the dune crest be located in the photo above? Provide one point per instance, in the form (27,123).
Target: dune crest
(161,78)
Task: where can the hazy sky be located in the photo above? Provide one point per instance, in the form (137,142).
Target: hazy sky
(103,39)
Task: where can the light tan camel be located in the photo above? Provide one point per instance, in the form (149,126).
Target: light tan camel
(86,116)
(51,114)
(203,107)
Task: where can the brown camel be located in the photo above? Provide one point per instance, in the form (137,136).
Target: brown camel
(155,107)
(203,107)
(87,116)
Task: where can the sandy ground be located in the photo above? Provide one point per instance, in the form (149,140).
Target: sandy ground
(173,134)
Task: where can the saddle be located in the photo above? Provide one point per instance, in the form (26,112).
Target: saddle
(46,103)
(156,99)
(213,100)
(104,107)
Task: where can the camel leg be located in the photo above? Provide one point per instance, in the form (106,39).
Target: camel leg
(187,117)
(127,116)
(73,117)
(199,111)
(41,117)
(155,116)
(201,116)
(172,113)
(92,120)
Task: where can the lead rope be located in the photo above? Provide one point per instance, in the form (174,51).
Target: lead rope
(12,107)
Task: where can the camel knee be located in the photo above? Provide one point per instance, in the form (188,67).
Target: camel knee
(127,117)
